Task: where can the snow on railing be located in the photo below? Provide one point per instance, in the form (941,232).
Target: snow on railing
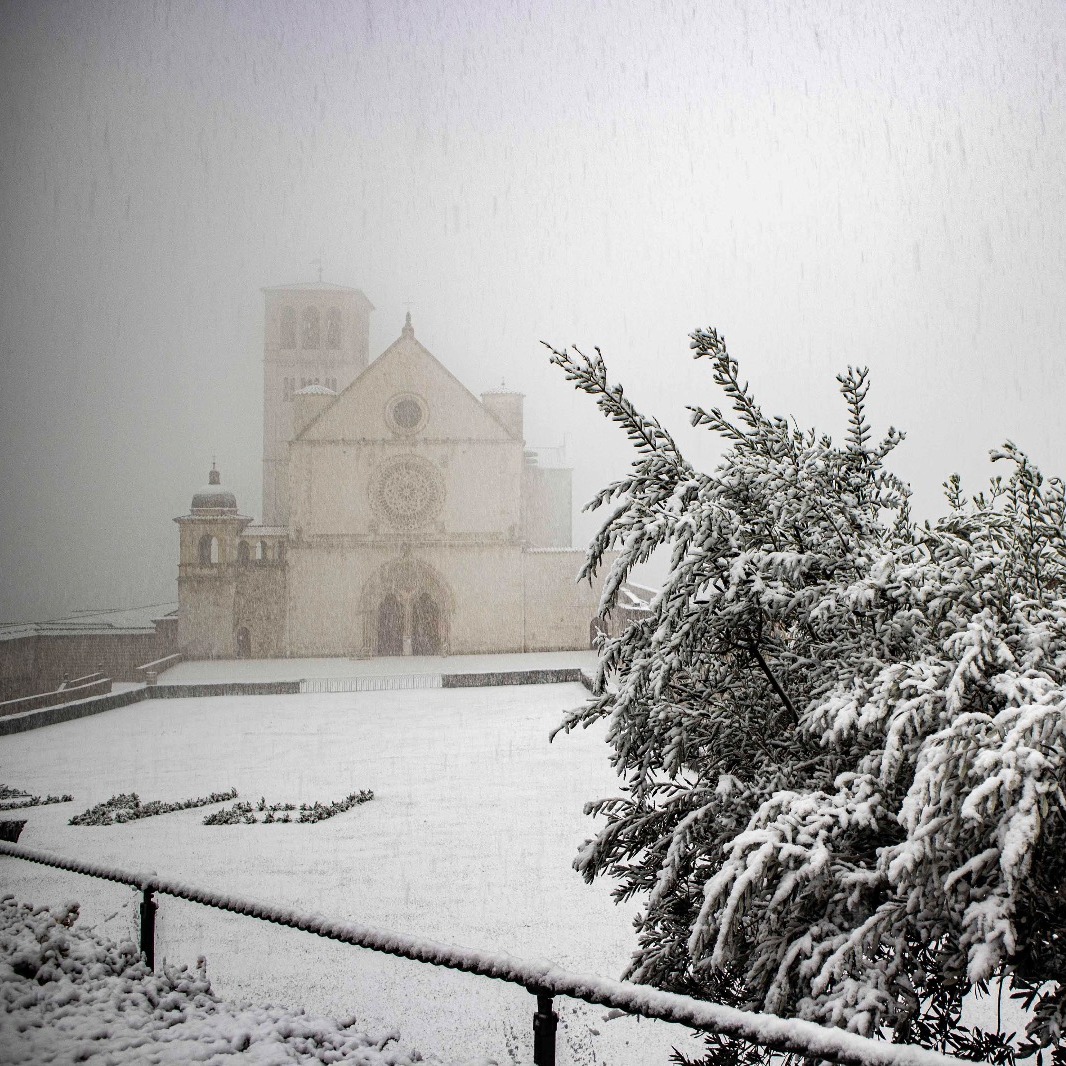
(542,979)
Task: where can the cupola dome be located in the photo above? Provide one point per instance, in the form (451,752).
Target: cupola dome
(213,498)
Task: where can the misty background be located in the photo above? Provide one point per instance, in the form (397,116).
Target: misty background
(825,182)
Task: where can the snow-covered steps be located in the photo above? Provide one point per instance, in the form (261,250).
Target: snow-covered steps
(371,683)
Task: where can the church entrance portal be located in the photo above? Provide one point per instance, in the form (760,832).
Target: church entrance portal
(390,626)
(422,636)
(425,626)
(409,610)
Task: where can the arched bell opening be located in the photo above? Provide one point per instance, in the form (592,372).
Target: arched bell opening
(207,550)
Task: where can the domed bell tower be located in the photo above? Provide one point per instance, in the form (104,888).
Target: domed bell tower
(207,571)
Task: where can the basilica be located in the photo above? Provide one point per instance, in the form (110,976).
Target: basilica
(401,514)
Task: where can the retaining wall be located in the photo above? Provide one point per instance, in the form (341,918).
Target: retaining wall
(51,699)
(222,688)
(19,723)
(512,677)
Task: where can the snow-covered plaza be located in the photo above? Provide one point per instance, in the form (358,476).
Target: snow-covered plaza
(469,840)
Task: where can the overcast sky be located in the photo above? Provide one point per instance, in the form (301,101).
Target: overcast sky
(880,183)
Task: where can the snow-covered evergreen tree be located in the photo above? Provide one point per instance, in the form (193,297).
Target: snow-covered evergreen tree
(842,732)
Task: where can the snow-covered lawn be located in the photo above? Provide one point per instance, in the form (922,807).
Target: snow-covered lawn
(469,839)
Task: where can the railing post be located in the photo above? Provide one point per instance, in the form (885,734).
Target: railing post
(545,1022)
(148,909)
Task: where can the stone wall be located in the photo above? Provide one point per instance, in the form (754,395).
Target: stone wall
(559,610)
(18,668)
(99,686)
(515,677)
(206,598)
(39,662)
(260,608)
(19,723)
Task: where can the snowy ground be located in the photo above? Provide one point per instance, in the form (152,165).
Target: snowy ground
(469,840)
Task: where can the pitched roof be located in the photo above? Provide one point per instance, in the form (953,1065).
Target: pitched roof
(407,341)
(314,286)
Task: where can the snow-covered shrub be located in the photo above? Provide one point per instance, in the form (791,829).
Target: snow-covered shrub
(842,732)
(244,814)
(67,995)
(16,799)
(127,807)
(239,812)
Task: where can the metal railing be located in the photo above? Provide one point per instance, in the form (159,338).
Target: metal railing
(542,980)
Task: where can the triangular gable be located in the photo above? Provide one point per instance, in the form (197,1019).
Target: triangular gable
(406,366)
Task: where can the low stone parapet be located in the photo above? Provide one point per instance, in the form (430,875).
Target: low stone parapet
(34,719)
(512,677)
(157,666)
(69,694)
(221,688)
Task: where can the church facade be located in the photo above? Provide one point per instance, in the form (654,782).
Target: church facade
(402,515)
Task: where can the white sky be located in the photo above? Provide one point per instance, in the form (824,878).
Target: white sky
(828,183)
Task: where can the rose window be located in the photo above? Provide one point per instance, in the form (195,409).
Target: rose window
(408,491)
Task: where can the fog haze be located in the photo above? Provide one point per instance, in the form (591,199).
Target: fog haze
(826,183)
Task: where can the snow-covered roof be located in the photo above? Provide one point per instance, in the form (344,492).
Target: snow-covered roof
(107,620)
(315,390)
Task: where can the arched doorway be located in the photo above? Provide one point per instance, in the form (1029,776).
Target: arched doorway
(409,610)
(390,626)
(425,625)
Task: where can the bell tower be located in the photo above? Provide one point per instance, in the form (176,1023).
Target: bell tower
(207,570)
(315,333)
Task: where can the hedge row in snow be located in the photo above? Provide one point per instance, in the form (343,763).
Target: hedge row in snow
(244,813)
(15,799)
(127,807)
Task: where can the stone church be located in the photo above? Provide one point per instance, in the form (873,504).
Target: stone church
(402,515)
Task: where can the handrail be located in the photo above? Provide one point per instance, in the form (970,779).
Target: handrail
(542,979)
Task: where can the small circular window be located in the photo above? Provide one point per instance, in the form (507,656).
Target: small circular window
(406,413)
